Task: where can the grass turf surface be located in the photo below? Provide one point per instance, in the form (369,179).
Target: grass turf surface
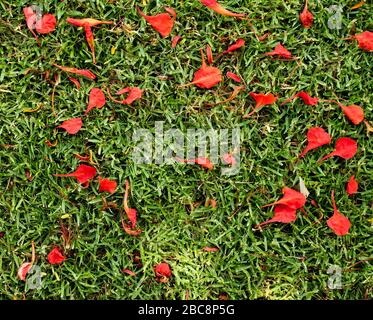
(280,262)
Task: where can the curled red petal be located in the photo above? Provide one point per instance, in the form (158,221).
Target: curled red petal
(82,72)
(306,17)
(234,77)
(214,5)
(175,41)
(163,270)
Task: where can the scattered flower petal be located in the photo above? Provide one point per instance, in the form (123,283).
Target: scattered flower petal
(338,222)
(233,76)
(72,126)
(107,185)
(352,186)
(306,17)
(345,148)
(96,100)
(86,73)
(83,174)
(280,51)
(55,257)
(214,5)
(316,137)
(163,23)
(292,199)
(202,161)
(175,41)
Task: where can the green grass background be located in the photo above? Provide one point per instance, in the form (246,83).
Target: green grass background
(280,262)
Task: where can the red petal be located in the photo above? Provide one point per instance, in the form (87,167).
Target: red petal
(229,159)
(354,113)
(352,186)
(210,59)
(316,137)
(162,23)
(96,100)
(307,99)
(175,41)
(345,148)
(86,21)
(365,40)
(31,17)
(134,94)
(238,44)
(76,82)
(279,51)
(306,17)
(46,24)
(163,270)
(107,185)
(338,222)
(72,126)
(292,199)
(210,249)
(129,272)
(131,213)
(261,100)
(233,76)
(283,214)
(23,269)
(83,174)
(85,73)
(214,5)
(55,257)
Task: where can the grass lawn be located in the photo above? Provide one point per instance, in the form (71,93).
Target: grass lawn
(281,261)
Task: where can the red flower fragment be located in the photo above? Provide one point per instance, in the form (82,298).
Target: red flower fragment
(292,199)
(86,73)
(354,113)
(261,100)
(283,214)
(87,24)
(134,93)
(131,213)
(83,174)
(210,59)
(338,222)
(75,81)
(233,76)
(345,148)
(214,5)
(307,99)
(96,100)
(175,41)
(163,23)
(26,266)
(365,40)
(306,17)
(72,126)
(228,158)
(45,25)
(163,270)
(107,185)
(316,137)
(206,77)
(280,51)
(56,257)
(352,186)
(235,46)
(204,162)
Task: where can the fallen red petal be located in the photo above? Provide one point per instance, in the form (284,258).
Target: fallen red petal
(163,23)
(163,270)
(338,222)
(316,137)
(86,73)
(306,17)
(96,100)
(365,40)
(83,174)
(175,41)
(280,51)
(354,113)
(292,199)
(345,148)
(72,126)
(107,185)
(214,5)
(352,186)
(55,257)
(233,76)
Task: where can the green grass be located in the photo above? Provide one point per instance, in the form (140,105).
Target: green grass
(280,262)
